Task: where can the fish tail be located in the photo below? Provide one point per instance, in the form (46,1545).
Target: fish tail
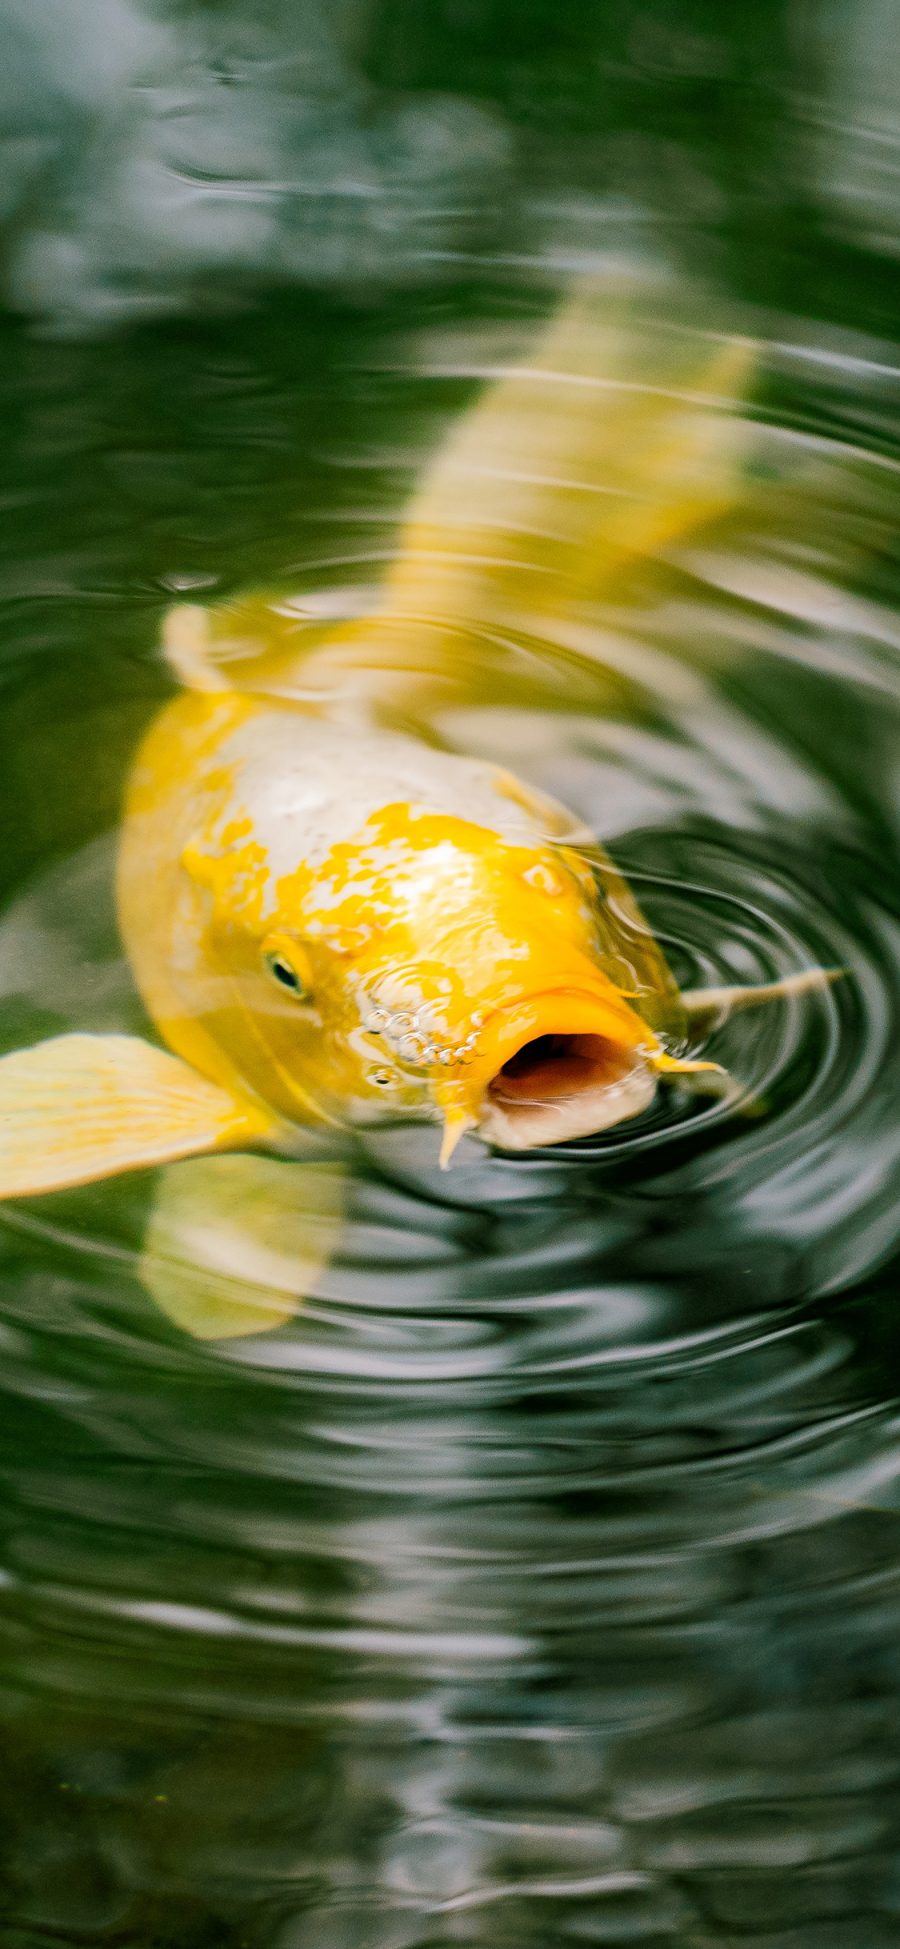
(613,438)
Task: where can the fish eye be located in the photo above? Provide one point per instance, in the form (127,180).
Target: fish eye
(283,972)
(282,966)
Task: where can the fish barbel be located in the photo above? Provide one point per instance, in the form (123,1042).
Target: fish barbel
(332,921)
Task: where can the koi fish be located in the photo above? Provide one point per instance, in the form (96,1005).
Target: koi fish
(332,922)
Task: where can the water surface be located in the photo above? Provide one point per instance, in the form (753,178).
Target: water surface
(539,1583)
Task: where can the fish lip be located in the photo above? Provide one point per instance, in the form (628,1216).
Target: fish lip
(566,1010)
(601,1072)
(610,1095)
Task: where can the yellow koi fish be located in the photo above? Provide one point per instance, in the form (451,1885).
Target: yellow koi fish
(331,921)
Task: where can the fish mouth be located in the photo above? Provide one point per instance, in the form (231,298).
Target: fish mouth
(565,1066)
(559,1086)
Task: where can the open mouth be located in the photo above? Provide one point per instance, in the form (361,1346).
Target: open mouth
(558,1086)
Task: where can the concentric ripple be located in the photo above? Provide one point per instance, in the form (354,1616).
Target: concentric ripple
(537,1582)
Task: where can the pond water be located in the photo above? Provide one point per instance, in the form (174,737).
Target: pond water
(539,1583)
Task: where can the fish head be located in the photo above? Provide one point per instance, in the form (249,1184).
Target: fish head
(429,966)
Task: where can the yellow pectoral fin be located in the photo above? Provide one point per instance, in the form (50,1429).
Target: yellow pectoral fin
(708,1008)
(81,1107)
(235,1244)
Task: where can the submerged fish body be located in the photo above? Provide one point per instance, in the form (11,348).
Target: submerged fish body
(334,921)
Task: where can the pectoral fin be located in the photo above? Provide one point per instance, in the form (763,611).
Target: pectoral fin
(81,1107)
(708,1008)
(234,1244)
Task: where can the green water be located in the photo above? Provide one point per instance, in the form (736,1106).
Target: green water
(540,1584)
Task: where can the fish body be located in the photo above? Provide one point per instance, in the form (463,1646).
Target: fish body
(335,921)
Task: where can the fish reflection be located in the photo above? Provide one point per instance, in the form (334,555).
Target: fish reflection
(333,922)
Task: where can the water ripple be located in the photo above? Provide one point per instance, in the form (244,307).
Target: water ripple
(537,1583)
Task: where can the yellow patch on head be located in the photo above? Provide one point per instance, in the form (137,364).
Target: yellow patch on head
(444,909)
(233,867)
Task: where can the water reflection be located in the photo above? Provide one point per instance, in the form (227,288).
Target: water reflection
(159,159)
(537,1581)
